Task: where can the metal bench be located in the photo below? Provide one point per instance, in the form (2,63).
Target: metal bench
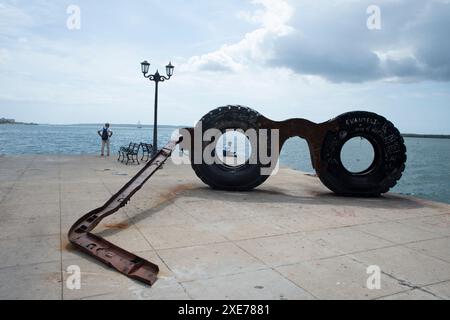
(147,151)
(131,153)
(123,150)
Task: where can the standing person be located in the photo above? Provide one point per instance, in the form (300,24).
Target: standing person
(105,134)
(227,150)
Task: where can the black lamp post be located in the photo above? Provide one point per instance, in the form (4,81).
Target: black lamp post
(156,78)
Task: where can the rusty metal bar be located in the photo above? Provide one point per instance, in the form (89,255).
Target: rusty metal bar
(125,262)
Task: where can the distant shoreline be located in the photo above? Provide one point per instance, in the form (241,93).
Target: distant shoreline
(19,123)
(426,136)
(405,135)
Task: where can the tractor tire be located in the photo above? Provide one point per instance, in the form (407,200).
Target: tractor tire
(389,155)
(218,175)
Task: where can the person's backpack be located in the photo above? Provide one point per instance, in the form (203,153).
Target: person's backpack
(105,134)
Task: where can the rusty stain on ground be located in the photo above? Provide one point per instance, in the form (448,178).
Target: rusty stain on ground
(66,245)
(344,212)
(163,274)
(121,225)
(173,192)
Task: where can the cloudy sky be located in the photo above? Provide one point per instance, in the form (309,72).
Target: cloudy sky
(286,58)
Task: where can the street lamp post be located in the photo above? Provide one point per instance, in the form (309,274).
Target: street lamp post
(156,78)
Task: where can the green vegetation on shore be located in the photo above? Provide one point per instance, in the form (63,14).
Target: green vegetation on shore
(12,121)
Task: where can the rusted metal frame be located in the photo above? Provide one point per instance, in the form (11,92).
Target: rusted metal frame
(125,262)
(313,133)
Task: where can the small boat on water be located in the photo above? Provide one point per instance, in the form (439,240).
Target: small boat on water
(139,125)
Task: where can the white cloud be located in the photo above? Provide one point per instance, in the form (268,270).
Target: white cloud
(254,47)
(330,39)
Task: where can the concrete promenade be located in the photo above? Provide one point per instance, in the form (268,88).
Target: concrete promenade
(289,239)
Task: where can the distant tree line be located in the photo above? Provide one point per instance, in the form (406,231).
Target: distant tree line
(435,136)
(13,121)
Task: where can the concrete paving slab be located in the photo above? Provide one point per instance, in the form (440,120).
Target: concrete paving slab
(248,228)
(286,249)
(29,210)
(101,195)
(396,232)
(24,251)
(347,240)
(338,278)
(257,285)
(415,294)
(40,197)
(10,173)
(165,215)
(438,248)
(78,208)
(28,227)
(216,210)
(6,183)
(208,261)
(407,265)
(31,282)
(3,193)
(304,221)
(347,215)
(437,224)
(41,186)
(441,290)
(413,208)
(35,175)
(176,236)
(161,290)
